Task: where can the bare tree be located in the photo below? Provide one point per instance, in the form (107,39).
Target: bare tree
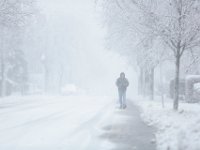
(13,17)
(178,27)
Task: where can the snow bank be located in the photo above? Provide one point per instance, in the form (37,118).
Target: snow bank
(176,130)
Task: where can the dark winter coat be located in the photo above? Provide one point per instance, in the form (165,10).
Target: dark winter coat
(122,84)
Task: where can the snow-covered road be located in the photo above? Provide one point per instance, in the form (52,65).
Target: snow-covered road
(70,123)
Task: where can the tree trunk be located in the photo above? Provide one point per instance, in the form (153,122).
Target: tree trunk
(46,80)
(140,82)
(161,86)
(152,84)
(3,75)
(146,83)
(176,83)
(61,79)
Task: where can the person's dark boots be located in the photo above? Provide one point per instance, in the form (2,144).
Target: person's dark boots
(124,106)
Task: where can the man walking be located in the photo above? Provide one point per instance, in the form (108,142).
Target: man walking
(122,84)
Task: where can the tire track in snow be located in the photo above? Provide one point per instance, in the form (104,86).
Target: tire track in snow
(18,109)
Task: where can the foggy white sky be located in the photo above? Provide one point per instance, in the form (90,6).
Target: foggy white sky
(75,26)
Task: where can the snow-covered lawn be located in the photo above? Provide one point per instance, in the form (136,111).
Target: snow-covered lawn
(52,123)
(176,130)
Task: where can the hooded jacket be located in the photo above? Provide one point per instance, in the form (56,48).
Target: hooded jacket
(122,84)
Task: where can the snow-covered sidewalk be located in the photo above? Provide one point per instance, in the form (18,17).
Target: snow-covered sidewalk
(176,130)
(128,131)
(71,122)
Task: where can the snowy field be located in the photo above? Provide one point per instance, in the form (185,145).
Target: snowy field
(176,130)
(54,123)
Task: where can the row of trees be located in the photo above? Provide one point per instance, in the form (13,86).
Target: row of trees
(153,31)
(14,18)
